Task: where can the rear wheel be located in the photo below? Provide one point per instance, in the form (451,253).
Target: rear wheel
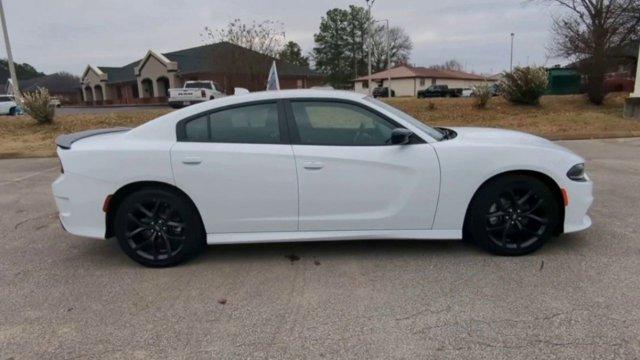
(13,111)
(158,228)
(513,215)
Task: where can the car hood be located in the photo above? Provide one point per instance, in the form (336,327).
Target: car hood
(502,137)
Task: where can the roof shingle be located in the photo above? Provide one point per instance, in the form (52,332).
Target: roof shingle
(213,58)
(403,72)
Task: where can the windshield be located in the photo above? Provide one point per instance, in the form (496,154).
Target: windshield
(434,133)
(197,85)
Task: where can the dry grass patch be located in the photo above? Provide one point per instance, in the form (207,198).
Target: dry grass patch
(557,117)
(21,136)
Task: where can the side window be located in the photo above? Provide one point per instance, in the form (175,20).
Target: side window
(251,124)
(334,123)
(198,129)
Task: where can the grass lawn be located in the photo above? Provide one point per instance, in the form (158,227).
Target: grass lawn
(557,117)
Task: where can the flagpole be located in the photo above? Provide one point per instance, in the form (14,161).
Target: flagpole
(12,69)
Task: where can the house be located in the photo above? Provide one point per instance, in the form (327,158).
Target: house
(407,80)
(148,80)
(621,64)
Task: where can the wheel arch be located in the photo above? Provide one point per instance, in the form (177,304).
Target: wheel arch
(116,199)
(546,179)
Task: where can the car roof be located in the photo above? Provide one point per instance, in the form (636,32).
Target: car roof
(164,126)
(297,93)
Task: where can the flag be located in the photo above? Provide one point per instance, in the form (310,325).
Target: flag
(272,82)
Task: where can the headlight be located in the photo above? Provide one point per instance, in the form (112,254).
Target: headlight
(576,173)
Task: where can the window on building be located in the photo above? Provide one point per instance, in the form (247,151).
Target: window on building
(365,84)
(299,84)
(334,123)
(423,81)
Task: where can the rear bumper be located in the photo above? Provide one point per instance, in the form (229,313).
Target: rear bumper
(580,196)
(79,201)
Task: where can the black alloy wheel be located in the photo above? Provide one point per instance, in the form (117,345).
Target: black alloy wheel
(513,215)
(158,228)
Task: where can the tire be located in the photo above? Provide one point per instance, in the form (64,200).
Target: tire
(12,111)
(158,228)
(512,215)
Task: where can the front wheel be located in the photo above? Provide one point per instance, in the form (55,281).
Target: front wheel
(513,215)
(158,228)
(13,111)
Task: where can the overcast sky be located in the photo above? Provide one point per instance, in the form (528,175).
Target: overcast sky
(69,34)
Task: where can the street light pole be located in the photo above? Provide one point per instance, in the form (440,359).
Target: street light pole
(369,22)
(511,62)
(12,69)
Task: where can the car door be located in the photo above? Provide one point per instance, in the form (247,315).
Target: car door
(238,167)
(351,178)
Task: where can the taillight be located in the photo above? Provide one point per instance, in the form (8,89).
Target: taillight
(203,93)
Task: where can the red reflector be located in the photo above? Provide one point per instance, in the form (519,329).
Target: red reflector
(107,203)
(565,197)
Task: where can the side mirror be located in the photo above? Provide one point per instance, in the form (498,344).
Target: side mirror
(400,136)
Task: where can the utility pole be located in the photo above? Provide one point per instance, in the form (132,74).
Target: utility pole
(388,60)
(369,22)
(511,62)
(12,69)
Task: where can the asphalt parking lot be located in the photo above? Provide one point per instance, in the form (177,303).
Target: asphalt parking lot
(579,297)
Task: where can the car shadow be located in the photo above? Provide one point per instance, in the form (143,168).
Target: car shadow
(108,254)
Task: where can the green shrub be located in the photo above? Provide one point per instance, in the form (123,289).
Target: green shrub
(482,94)
(525,85)
(37,104)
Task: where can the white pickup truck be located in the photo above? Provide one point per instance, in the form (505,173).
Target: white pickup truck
(194,92)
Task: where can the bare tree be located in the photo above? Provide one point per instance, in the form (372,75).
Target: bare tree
(400,47)
(448,65)
(590,31)
(265,39)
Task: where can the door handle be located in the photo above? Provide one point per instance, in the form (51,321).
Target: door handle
(191,160)
(312,165)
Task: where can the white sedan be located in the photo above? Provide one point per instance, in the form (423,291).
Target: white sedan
(307,165)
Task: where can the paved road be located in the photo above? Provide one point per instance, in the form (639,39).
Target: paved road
(579,297)
(65,110)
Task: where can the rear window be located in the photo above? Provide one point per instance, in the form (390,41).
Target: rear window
(5,98)
(251,124)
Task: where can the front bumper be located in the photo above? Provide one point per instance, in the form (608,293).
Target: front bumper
(580,196)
